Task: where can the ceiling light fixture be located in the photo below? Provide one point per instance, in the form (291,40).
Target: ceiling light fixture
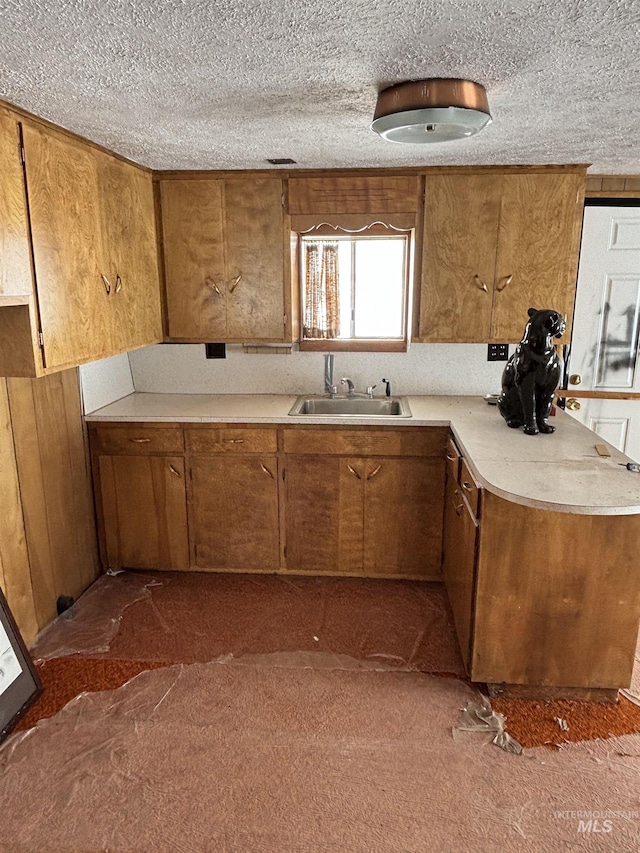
(435,110)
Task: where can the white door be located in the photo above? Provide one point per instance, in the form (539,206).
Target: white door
(617,421)
(604,344)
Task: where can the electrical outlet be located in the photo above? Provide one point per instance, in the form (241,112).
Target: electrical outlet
(498,352)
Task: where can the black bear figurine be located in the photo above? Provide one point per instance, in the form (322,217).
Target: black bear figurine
(531,375)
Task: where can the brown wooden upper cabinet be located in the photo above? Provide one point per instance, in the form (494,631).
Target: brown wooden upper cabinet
(495,244)
(94,286)
(227,260)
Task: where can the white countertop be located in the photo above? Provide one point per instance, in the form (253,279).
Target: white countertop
(561,472)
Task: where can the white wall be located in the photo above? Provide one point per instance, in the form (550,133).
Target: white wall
(105,381)
(425,369)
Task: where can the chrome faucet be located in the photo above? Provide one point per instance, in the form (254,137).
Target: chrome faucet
(351,388)
(329,387)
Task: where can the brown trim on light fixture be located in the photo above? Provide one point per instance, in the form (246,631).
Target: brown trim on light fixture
(431,94)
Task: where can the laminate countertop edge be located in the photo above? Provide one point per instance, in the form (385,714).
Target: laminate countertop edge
(561,472)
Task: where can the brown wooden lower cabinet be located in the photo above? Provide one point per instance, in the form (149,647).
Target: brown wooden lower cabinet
(233,512)
(557,597)
(364,515)
(232,497)
(541,600)
(459,563)
(144,511)
(324,510)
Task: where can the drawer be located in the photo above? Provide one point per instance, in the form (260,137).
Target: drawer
(469,488)
(231,440)
(453,461)
(133,439)
(410,441)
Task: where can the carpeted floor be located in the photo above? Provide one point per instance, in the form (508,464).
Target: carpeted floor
(219,758)
(341,623)
(313,727)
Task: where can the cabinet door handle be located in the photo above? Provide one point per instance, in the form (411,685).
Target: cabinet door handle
(107,283)
(212,285)
(354,472)
(504,282)
(480,283)
(451,457)
(457,507)
(235,283)
(233,440)
(118,286)
(140,440)
(467,486)
(374,472)
(266,471)
(175,471)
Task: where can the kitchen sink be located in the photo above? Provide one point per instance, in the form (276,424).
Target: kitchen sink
(350,407)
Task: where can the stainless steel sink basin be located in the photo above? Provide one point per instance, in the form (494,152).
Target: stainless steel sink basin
(350,407)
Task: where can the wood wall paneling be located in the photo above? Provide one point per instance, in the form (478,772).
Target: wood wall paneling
(613,186)
(15,573)
(55,487)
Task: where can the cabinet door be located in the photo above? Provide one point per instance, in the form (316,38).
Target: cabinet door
(254,237)
(461,218)
(64,205)
(15,264)
(233,512)
(192,223)
(538,249)
(130,252)
(224,259)
(144,509)
(324,505)
(403,516)
(459,564)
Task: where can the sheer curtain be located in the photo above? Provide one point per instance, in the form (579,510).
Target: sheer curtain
(321,309)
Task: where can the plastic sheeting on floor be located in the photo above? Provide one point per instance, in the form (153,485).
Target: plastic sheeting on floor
(286,621)
(209,757)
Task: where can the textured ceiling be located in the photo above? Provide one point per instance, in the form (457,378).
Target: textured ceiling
(188,84)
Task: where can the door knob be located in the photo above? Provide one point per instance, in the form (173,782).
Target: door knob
(573,405)
(575,379)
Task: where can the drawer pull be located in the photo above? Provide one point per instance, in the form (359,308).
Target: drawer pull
(354,472)
(236,282)
(266,471)
(457,507)
(107,284)
(211,284)
(480,283)
(233,440)
(140,440)
(451,457)
(504,282)
(118,286)
(374,472)
(467,486)
(174,471)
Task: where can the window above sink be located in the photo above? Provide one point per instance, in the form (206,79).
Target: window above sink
(355,287)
